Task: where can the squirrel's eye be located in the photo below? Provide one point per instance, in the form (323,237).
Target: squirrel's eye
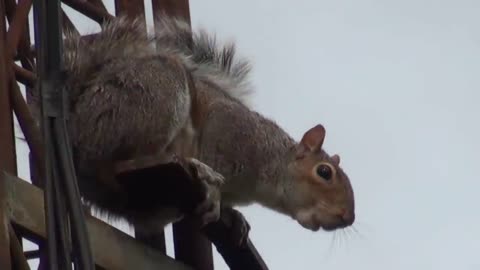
(325,172)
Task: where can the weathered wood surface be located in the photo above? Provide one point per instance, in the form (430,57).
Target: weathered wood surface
(112,249)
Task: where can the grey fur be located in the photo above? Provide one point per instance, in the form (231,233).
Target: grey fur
(131,96)
(218,64)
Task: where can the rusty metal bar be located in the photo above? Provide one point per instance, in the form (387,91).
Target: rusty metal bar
(7,154)
(25,76)
(130,8)
(191,246)
(19,261)
(16,32)
(26,121)
(24,53)
(112,248)
(26,56)
(92,11)
(236,257)
(26,59)
(9,9)
(30,129)
(17,26)
(175,8)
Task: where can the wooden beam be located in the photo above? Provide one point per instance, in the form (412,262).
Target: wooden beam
(112,249)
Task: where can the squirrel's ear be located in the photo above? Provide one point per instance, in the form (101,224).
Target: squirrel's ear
(336,159)
(313,139)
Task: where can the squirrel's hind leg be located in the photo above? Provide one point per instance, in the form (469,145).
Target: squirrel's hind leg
(171,188)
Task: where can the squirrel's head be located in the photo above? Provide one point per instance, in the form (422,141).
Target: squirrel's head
(321,195)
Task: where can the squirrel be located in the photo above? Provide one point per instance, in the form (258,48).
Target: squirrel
(179,93)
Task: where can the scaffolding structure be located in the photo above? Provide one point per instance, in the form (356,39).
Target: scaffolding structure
(22,205)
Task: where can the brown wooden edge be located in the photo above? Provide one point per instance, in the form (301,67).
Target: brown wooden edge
(112,249)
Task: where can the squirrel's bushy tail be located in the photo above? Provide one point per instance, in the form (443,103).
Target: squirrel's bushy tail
(123,37)
(219,64)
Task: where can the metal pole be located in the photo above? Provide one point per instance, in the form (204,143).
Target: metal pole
(63,205)
(7,153)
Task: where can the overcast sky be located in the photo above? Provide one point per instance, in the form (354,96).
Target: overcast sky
(395,83)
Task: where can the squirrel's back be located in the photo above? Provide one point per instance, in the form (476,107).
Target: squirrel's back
(130,93)
(124,37)
(123,71)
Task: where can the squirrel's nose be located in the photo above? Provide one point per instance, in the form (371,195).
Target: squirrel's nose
(347,216)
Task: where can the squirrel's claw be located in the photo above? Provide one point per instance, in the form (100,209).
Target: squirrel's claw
(208,209)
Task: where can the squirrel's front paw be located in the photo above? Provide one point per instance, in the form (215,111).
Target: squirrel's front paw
(208,209)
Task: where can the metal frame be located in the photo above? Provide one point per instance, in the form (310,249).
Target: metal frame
(191,247)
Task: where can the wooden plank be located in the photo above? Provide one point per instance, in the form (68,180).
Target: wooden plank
(112,249)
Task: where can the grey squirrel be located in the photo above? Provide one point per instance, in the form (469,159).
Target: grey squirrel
(178,93)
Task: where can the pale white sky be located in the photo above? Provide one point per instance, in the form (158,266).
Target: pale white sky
(395,84)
